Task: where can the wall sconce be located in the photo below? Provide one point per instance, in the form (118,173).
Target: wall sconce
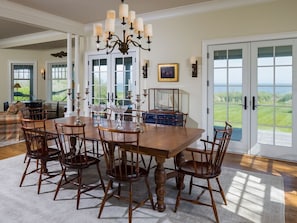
(144,68)
(42,72)
(194,64)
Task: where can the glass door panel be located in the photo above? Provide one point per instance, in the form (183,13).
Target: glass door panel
(99,83)
(227,67)
(273,109)
(123,78)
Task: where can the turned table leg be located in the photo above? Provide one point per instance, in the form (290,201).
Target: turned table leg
(160,180)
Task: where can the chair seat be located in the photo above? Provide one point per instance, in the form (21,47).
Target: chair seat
(51,136)
(80,161)
(126,173)
(40,154)
(198,169)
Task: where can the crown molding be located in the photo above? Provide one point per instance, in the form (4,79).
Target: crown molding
(197,8)
(25,15)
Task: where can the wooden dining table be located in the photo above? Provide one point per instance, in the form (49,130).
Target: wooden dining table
(162,142)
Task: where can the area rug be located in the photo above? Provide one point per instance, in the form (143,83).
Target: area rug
(251,197)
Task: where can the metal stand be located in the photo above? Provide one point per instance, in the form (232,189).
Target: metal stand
(138,103)
(78,98)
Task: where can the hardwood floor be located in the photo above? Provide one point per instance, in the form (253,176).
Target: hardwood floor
(288,170)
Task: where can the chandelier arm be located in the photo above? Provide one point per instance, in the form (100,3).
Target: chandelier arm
(116,42)
(98,44)
(139,45)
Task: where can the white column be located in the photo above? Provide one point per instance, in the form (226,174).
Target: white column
(69,72)
(76,62)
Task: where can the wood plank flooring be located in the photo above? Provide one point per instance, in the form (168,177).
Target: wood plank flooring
(288,170)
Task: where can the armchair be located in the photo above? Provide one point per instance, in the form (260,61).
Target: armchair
(205,164)
(10,122)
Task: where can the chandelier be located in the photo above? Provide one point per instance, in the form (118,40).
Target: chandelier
(131,26)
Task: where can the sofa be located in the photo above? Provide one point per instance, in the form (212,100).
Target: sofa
(10,122)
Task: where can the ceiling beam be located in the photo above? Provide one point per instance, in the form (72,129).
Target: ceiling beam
(25,15)
(34,38)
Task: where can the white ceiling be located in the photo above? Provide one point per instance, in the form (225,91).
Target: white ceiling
(81,11)
(88,11)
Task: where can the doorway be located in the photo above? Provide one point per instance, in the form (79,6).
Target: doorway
(111,78)
(252,86)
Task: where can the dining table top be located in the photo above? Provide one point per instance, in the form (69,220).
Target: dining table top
(156,140)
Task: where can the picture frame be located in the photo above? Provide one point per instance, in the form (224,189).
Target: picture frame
(168,72)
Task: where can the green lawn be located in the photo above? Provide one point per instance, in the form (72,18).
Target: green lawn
(268,116)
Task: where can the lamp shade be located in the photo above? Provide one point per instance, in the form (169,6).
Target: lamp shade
(17,85)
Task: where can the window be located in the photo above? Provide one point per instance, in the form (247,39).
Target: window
(58,82)
(22,82)
(111,77)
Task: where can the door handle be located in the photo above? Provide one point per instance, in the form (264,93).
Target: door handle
(108,97)
(244,105)
(112,97)
(254,106)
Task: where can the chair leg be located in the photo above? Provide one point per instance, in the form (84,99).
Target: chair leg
(191,185)
(42,169)
(119,189)
(60,182)
(25,172)
(100,176)
(105,198)
(178,197)
(25,158)
(149,193)
(79,173)
(221,191)
(130,203)
(213,204)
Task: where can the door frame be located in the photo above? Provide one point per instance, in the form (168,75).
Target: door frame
(204,75)
(136,69)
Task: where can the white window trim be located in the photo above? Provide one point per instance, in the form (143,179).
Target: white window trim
(34,63)
(49,79)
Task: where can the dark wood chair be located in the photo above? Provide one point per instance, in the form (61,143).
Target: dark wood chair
(39,124)
(74,156)
(124,166)
(5,106)
(206,164)
(38,150)
(97,116)
(37,113)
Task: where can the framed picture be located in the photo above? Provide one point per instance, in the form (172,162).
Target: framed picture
(168,72)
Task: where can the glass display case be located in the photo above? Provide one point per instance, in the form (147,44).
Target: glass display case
(165,107)
(164,100)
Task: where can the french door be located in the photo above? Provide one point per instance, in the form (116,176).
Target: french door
(252,86)
(111,77)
